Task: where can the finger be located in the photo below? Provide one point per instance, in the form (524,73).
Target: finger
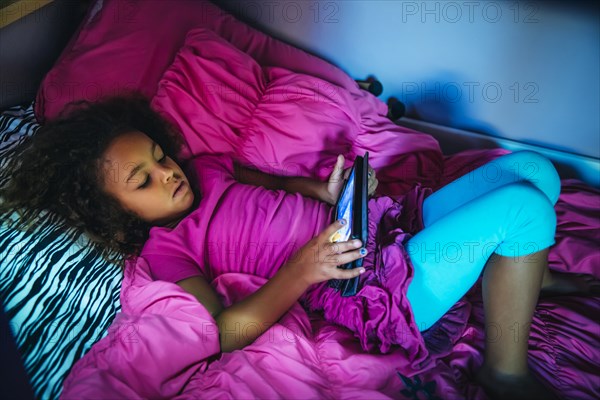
(344,258)
(340,162)
(373,186)
(348,273)
(331,229)
(342,247)
(347,173)
(338,169)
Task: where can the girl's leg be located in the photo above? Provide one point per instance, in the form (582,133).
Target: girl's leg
(518,166)
(514,167)
(448,256)
(517,223)
(510,292)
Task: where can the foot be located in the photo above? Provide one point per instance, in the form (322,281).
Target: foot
(499,386)
(574,284)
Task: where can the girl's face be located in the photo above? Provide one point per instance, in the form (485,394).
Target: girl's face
(145,181)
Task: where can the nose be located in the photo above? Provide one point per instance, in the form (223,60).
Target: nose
(165,173)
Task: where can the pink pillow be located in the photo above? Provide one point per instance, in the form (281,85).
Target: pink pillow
(125,45)
(210,92)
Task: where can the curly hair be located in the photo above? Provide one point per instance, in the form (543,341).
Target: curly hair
(58,169)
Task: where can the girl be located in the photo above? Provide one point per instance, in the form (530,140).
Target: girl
(111,169)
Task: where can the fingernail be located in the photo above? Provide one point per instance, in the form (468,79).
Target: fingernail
(357,242)
(361,271)
(343,221)
(363,251)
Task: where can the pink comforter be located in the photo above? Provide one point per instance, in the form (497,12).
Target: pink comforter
(164,343)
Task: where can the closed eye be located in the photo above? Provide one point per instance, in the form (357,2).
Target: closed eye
(147,181)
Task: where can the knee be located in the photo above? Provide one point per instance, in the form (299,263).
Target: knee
(536,168)
(530,202)
(531,220)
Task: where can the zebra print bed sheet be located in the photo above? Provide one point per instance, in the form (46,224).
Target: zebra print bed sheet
(58,292)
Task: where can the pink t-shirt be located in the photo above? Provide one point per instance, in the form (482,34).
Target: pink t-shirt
(252,230)
(236,228)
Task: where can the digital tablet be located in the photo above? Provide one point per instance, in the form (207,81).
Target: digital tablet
(344,208)
(352,206)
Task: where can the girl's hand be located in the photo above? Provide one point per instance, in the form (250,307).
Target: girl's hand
(373,182)
(337,177)
(317,260)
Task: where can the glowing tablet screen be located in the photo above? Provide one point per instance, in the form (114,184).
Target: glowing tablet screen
(344,210)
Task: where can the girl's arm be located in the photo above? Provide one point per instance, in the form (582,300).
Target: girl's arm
(327,192)
(305,186)
(242,322)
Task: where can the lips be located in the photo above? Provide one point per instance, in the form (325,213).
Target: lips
(179,189)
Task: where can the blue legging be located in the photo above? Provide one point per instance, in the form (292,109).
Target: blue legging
(505,206)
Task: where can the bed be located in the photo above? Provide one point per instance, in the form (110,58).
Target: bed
(85,330)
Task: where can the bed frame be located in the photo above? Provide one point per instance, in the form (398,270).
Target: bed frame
(568,165)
